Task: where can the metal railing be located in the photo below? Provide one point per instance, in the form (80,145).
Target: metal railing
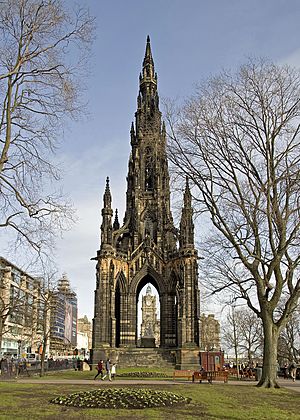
(10,368)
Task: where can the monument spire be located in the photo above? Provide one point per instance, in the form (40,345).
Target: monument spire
(148,54)
(144,249)
(107,213)
(148,77)
(186,222)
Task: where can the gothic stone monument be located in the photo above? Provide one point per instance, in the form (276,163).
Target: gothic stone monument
(147,248)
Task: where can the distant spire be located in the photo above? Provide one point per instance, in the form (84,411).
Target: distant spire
(106,227)
(186,222)
(116,224)
(148,54)
(107,195)
(132,134)
(148,73)
(187,200)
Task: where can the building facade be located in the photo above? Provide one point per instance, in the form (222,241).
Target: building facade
(84,335)
(33,316)
(146,248)
(63,334)
(21,311)
(210,332)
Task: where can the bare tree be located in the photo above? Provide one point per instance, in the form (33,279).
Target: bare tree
(45,307)
(237,139)
(243,333)
(289,340)
(43,50)
(231,336)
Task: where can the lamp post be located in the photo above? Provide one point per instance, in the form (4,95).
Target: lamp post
(207,353)
(19,348)
(17,363)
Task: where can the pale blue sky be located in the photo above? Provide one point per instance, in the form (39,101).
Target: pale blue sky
(191,40)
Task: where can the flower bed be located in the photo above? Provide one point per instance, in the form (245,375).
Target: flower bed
(121,398)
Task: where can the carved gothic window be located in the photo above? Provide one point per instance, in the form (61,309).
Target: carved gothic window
(149,170)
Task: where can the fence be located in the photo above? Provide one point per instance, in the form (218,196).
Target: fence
(12,368)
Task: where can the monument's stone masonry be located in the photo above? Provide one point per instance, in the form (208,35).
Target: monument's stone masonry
(147,248)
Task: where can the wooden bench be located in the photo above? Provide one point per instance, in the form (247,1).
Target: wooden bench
(210,376)
(248,374)
(183,374)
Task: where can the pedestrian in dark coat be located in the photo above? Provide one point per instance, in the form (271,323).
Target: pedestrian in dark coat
(100,369)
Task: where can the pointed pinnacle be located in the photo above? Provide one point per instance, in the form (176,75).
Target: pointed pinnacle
(187,193)
(107,195)
(116,224)
(148,54)
(107,184)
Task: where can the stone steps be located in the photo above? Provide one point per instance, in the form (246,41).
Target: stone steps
(144,357)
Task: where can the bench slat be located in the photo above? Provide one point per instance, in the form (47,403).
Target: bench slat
(183,374)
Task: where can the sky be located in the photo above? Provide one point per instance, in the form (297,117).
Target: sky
(190,40)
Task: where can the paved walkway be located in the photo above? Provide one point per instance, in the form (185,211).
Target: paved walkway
(295,386)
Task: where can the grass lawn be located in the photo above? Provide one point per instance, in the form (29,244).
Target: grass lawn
(72,374)
(217,401)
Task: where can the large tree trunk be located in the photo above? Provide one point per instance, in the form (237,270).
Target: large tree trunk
(269,371)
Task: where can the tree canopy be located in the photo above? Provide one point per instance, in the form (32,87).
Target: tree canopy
(237,139)
(43,50)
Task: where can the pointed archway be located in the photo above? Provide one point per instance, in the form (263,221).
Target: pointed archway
(148,307)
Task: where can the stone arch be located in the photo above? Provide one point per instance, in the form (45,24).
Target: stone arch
(120,291)
(144,277)
(121,281)
(168,325)
(147,271)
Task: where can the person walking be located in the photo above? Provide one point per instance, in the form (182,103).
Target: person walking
(285,371)
(293,370)
(100,369)
(113,370)
(108,370)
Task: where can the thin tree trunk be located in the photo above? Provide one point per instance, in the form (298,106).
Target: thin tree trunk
(42,371)
(269,371)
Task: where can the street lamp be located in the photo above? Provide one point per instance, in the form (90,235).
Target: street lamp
(19,348)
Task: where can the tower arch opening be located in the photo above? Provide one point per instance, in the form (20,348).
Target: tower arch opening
(148,313)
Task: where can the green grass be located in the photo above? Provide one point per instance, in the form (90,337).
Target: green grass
(72,374)
(217,401)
